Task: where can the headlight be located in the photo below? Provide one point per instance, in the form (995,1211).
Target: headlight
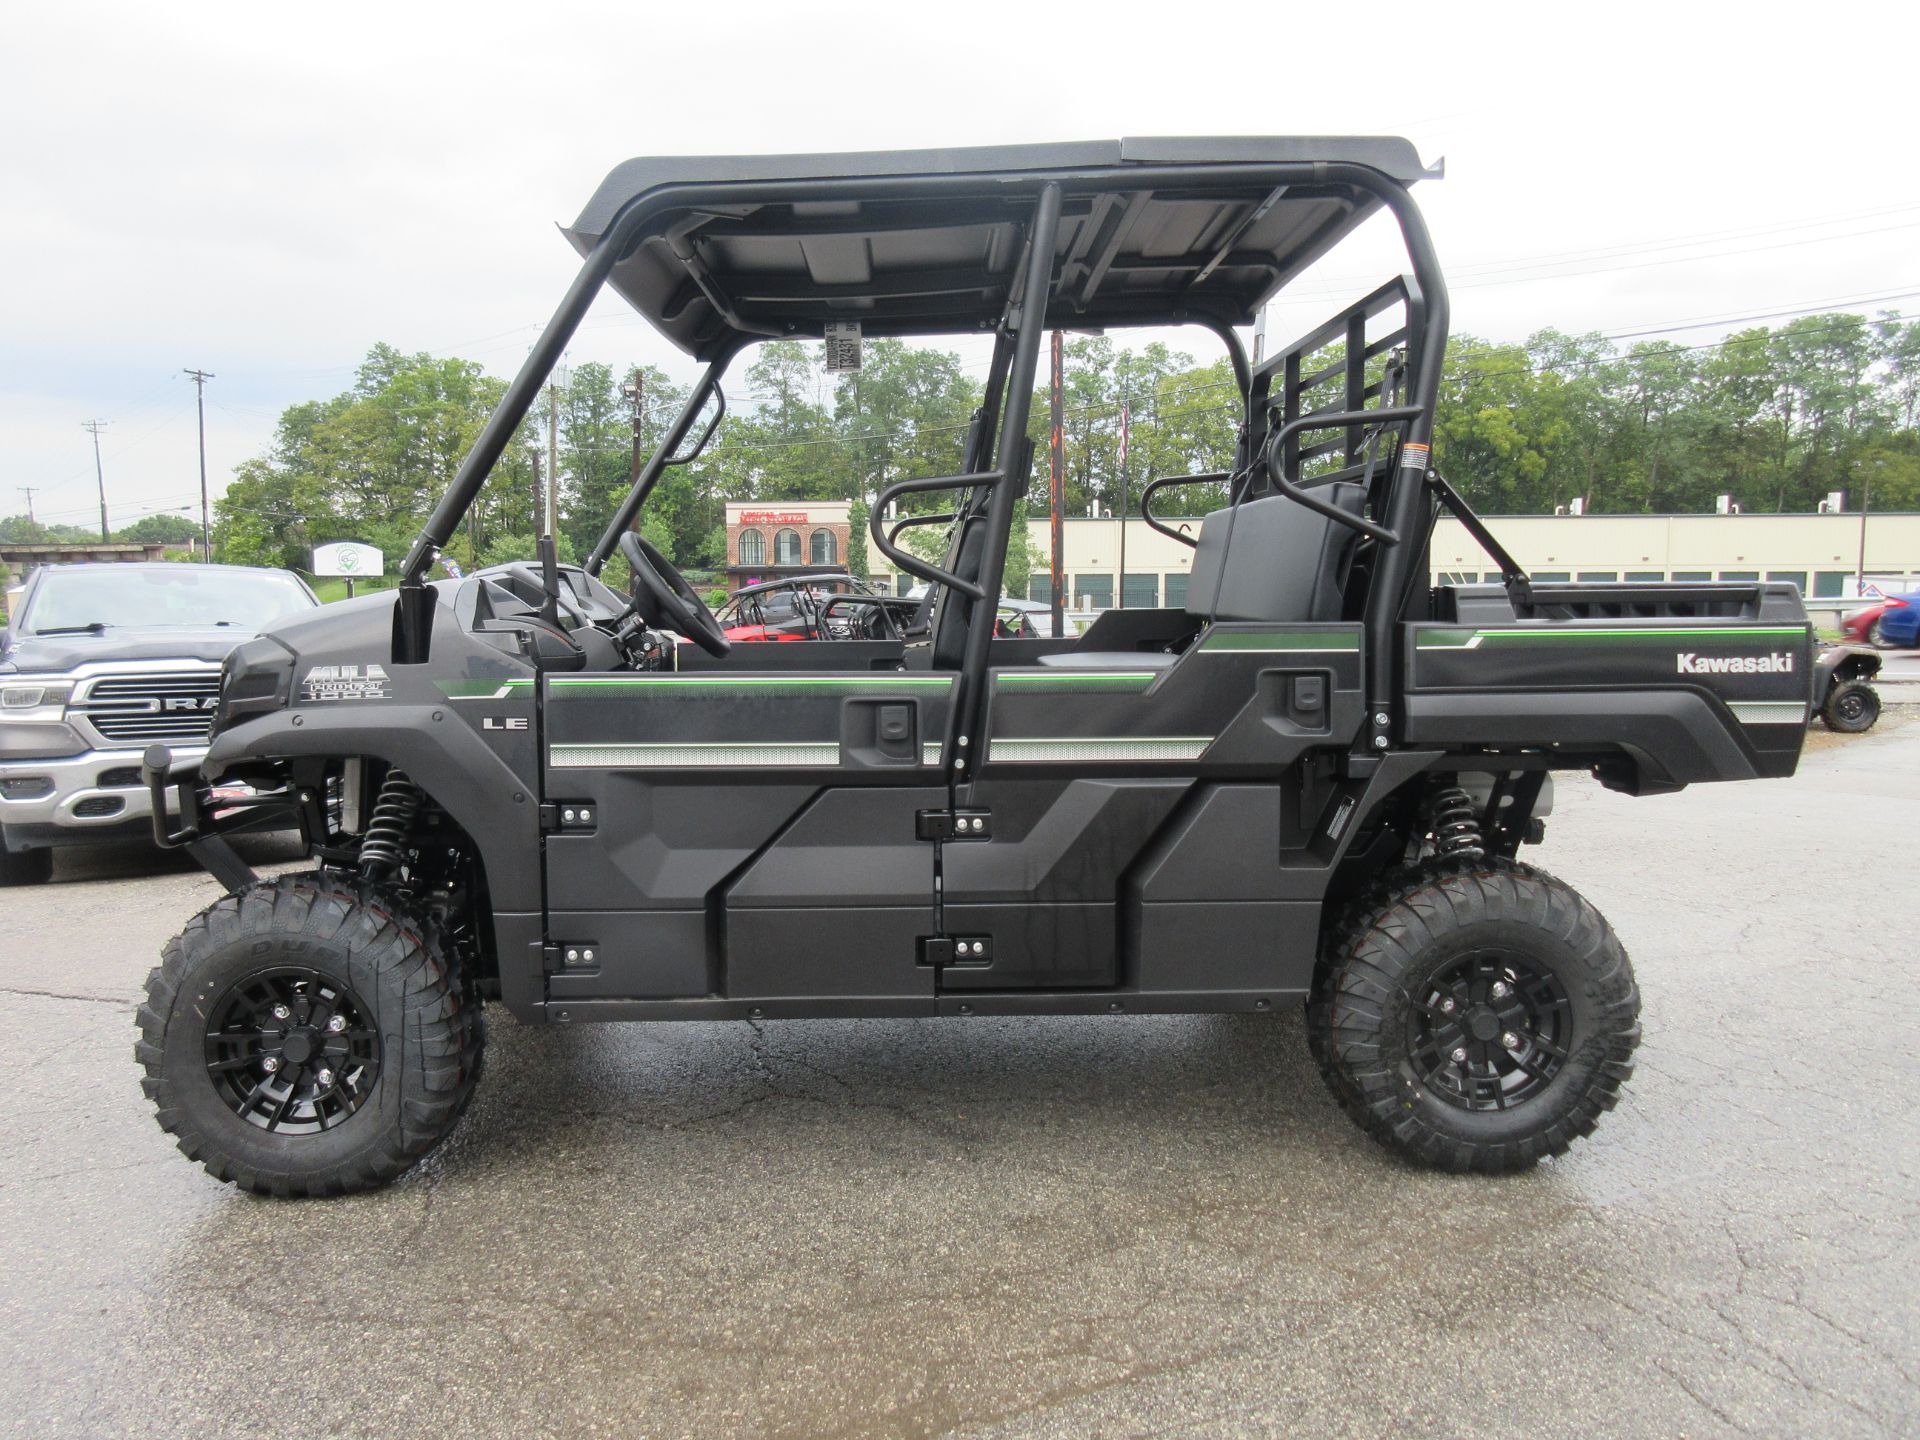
(35,700)
(257,678)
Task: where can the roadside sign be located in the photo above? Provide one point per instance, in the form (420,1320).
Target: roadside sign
(348,558)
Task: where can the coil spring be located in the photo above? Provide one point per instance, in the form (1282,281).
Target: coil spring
(1454,823)
(382,846)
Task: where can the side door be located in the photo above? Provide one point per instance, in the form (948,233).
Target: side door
(1152,828)
(741,832)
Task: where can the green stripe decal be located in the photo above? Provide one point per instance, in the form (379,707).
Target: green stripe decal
(483,689)
(745,684)
(1281,641)
(1107,681)
(1561,635)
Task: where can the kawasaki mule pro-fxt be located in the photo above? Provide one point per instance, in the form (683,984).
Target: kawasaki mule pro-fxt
(1308,784)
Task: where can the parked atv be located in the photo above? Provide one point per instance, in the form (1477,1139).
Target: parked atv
(1309,784)
(1844,696)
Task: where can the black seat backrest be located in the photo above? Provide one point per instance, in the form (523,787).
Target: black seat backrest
(951,609)
(1275,561)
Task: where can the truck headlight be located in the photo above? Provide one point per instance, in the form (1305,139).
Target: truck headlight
(40,700)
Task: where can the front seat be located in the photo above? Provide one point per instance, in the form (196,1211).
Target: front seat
(1272,561)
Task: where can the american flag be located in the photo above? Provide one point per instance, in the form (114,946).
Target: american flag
(1125,425)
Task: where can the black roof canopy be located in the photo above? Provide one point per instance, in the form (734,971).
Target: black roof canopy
(1153,232)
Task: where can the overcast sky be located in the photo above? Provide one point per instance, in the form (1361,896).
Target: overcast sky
(265,191)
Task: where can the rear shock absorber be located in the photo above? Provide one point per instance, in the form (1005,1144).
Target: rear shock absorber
(1454,822)
(384,845)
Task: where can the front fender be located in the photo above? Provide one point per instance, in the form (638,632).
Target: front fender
(498,809)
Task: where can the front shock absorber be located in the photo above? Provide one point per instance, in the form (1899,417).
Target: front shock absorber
(384,845)
(1454,822)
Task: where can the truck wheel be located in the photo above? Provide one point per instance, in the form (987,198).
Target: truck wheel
(1853,706)
(1475,1015)
(308,1037)
(25,867)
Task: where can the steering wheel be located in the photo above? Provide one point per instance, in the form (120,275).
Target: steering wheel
(675,606)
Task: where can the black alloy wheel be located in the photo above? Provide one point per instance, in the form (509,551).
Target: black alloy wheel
(1491,1031)
(292,1052)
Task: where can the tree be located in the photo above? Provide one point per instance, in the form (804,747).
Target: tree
(161,529)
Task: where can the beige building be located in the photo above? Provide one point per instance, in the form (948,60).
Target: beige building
(1820,553)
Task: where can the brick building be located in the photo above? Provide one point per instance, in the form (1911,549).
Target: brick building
(769,539)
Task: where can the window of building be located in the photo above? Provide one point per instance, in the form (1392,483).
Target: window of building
(1176,589)
(1598,576)
(1040,589)
(753,547)
(1551,575)
(786,547)
(1093,592)
(1641,575)
(1693,574)
(1739,574)
(1142,592)
(1798,577)
(1828,584)
(822,549)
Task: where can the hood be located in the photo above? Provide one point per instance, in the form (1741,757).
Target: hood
(43,653)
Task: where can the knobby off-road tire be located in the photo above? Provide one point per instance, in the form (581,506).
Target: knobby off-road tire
(1853,706)
(373,1006)
(1474,1015)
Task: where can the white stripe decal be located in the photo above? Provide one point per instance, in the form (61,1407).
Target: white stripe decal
(692,756)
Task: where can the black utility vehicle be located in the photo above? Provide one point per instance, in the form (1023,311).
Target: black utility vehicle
(1310,784)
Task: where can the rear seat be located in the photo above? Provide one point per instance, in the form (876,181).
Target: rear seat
(1270,561)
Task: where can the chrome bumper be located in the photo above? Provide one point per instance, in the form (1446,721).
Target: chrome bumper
(70,795)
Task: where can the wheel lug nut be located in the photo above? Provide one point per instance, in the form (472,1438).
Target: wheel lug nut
(281,1012)
(337,1024)
(1500,991)
(270,1064)
(1510,1040)
(1446,1005)
(325,1078)
(1460,1056)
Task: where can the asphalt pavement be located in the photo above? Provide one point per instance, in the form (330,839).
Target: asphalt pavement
(1102,1227)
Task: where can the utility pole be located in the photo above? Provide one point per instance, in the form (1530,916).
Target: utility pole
(1056,449)
(28,490)
(553,457)
(93,428)
(200,378)
(635,391)
(1126,425)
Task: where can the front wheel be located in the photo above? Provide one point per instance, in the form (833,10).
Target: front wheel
(308,1037)
(1475,1015)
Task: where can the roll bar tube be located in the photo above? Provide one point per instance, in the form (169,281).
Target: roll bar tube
(1342,419)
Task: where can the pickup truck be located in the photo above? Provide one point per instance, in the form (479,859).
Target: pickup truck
(99,662)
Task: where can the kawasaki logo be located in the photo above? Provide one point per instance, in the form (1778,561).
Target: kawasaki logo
(1780,663)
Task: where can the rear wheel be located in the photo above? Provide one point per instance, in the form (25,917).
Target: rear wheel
(25,867)
(1877,635)
(1853,706)
(1475,1015)
(308,1037)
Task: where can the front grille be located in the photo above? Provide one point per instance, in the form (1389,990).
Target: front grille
(96,807)
(147,709)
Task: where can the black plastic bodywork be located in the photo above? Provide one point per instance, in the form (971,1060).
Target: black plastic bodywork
(1154,815)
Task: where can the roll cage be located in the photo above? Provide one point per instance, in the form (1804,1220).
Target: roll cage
(721,253)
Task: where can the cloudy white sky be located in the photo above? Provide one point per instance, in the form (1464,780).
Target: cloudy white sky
(264,191)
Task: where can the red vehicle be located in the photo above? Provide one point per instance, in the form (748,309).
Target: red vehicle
(1868,626)
(831,606)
